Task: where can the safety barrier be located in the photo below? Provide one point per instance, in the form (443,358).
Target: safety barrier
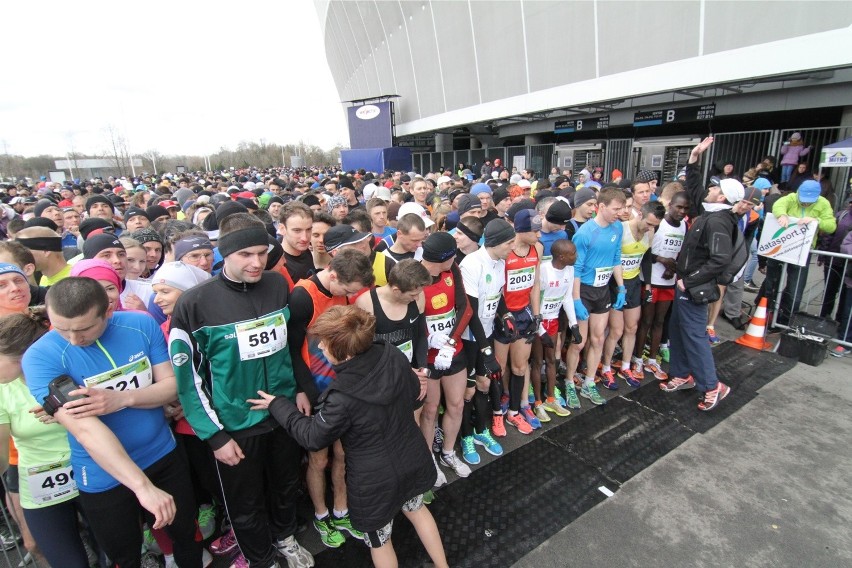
(817,297)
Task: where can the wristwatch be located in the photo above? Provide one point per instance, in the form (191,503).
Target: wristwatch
(487,351)
(451,342)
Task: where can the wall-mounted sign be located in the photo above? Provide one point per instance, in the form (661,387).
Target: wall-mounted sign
(581,124)
(674,115)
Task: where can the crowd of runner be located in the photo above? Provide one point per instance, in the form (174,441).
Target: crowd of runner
(182,348)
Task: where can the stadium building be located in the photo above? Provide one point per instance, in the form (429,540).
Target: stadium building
(575,84)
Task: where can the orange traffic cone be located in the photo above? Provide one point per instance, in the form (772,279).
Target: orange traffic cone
(756,329)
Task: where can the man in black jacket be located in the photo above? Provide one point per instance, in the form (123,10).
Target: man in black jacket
(704,264)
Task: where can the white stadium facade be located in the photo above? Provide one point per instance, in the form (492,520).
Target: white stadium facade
(615,84)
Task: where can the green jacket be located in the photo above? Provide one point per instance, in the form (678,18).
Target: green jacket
(820,210)
(227,341)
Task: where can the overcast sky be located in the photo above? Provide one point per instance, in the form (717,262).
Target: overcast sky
(182,77)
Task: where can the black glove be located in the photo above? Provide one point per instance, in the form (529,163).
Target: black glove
(647,297)
(509,328)
(536,322)
(576,338)
(492,367)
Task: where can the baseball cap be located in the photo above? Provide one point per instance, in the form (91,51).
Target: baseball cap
(809,191)
(408,208)
(752,194)
(444,179)
(341,235)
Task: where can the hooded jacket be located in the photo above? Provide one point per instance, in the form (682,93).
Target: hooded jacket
(707,249)
(370,408)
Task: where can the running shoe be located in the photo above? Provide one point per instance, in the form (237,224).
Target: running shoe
(750,286)
(438,440)
(504,403)
(224,544)
(487,441)
(839,351)
(330,536)
(571,397)
(561,369)
(557,394)
(297,557)
(591,392)
(665,352)
(678,383)
(608,380)
(629,378)
(239,561)
(711,335)
(637,368)
(453,462)
(541,413)
(149,560)
(26,560)
(556,408)
(497,426)
(206,520)
(518,422)
(531,395)
(344,523)
(528,415)
(441,479)
(653,367)
(468,449)
(712,398)
(578,380)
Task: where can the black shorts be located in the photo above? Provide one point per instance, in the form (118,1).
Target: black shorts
(11,479)
(459,364)
(634,292)
(523,323)
(474,358)
(596,300)
(377,539)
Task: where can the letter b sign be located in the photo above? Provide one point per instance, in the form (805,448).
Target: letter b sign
(670,115)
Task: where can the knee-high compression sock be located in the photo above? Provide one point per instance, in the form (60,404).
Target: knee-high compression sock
(467,418)
(482,419)
(495,391)
(516,391)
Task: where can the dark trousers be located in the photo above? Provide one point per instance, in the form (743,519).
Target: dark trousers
(57,532)
(690,346)
(260,493)
(791,298)
(114,516)
(844,315)
(833,273)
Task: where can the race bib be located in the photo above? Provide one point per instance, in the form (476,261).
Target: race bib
(520,279)
(136,375)
(490,307)
(550,307)
(602,276)
(261,337)
(631,261)
(407,349)
(671,244)
(441,323)
(50,482)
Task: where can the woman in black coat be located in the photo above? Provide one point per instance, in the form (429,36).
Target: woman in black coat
(370,408)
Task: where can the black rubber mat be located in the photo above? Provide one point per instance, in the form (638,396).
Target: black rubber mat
(621,438)
(744,370)
(510,506)
(498,514)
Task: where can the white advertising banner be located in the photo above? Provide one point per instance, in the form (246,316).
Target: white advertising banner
(787,244)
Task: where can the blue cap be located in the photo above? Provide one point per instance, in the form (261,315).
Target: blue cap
(7,267)
(761,183)
(809,191)
(527,221)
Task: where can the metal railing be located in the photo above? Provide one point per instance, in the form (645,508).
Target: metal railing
(814,296)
